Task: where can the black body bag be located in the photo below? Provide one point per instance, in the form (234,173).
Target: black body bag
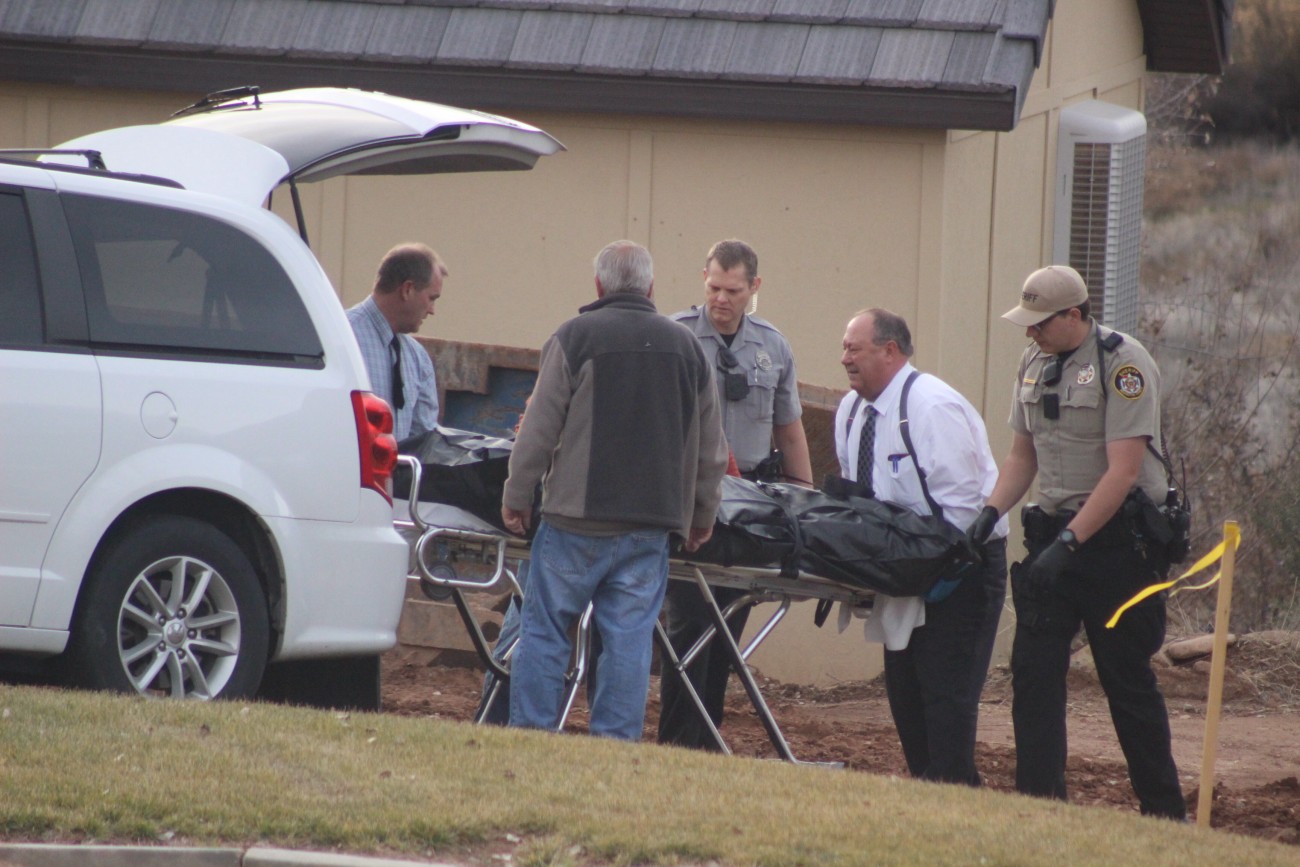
(458,468)
(752,529)
(873,544)
(849,539)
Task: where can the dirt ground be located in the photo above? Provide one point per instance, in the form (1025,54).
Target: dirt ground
(1257,769)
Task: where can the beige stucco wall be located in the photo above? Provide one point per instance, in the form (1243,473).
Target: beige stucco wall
(940,227)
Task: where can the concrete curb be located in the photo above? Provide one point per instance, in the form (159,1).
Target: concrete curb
(57,855)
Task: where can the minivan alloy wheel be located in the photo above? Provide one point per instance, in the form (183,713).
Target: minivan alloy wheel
(179,630)
(173,609)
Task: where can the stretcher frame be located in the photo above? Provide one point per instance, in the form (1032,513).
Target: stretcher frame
(437,549)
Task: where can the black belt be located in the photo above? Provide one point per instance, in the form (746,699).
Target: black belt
(1043,526)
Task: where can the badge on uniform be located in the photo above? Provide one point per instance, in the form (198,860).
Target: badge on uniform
(1087,374)
(763,360)
(1129,382)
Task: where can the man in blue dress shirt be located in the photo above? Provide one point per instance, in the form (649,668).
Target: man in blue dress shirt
(408,284)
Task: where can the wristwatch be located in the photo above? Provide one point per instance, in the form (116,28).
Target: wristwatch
(1069,540)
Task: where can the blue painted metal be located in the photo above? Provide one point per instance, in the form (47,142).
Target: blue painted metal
(495,413)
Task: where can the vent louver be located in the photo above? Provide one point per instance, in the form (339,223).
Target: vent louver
(1101,168)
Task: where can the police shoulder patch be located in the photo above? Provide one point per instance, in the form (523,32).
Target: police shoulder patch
(1129,382)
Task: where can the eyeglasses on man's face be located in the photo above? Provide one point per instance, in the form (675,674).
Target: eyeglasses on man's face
(1041,325)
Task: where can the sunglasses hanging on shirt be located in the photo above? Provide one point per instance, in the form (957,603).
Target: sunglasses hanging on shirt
(735,386)
(1052,370)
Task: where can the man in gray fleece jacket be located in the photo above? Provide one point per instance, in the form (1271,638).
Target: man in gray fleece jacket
(624,433)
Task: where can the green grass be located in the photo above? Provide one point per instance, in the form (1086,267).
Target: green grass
(91,767)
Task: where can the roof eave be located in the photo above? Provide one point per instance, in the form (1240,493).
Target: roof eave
(507,89)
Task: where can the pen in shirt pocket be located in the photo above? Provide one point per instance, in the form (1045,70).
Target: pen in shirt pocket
(894,459)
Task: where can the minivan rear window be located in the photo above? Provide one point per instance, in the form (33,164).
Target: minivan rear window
(20,297)
(174,281)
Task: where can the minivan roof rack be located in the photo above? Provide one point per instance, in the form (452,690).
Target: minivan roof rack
(11,156)
(221,98)
(94,159)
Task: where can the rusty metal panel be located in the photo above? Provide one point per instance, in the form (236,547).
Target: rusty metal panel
(482,387)
(496,412)
(464,366)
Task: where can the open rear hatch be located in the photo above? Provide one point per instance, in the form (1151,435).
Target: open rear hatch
(242,144)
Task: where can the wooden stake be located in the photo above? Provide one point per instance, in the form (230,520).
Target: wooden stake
(1217,661)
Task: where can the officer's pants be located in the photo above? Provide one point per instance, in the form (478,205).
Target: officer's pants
(1099,579)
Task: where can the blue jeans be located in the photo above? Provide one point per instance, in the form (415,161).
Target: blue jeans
(624,577)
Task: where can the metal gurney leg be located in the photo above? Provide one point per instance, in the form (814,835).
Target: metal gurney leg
(436,550)
(761,585)
(675,666)
(719,631)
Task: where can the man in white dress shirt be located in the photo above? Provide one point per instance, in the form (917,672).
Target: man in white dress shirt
(937,651)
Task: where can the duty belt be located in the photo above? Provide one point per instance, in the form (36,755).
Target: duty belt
(1043,526)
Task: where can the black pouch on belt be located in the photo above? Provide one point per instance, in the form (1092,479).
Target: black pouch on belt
(1166,527)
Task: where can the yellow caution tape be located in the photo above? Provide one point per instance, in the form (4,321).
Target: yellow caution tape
(1231,536)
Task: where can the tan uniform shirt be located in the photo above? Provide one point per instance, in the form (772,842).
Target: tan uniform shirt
(1071,449)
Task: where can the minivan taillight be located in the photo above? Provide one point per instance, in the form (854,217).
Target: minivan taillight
(375,442)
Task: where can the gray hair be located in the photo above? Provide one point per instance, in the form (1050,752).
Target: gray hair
(889,326)
(625,266)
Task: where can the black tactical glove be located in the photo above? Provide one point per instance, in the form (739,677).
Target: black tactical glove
(978,533)
(1048,567)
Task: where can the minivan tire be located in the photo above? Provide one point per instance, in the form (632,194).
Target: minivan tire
(138,629)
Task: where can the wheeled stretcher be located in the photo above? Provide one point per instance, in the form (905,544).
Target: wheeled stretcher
(454,553)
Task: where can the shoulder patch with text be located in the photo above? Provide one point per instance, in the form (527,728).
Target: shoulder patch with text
(1130,382)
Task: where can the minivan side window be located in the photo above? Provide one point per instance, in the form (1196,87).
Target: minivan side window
(165,280)
(20,296)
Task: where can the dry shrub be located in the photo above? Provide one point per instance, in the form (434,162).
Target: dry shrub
(1221,260)
(1187,175)
(1270,663)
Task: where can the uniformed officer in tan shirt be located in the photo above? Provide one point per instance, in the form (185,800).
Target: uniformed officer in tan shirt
(1085,412)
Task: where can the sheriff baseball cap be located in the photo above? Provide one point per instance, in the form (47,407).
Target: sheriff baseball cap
(1048,290)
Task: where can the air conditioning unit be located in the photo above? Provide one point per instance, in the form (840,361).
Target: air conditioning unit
(1100,166)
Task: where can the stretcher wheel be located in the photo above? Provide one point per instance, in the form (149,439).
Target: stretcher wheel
(440,570)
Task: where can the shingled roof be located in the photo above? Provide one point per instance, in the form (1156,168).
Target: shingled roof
(937,63)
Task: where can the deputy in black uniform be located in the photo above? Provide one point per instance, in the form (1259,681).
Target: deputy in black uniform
(1085,413)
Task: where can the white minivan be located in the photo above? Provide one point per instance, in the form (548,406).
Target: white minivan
(195,480)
